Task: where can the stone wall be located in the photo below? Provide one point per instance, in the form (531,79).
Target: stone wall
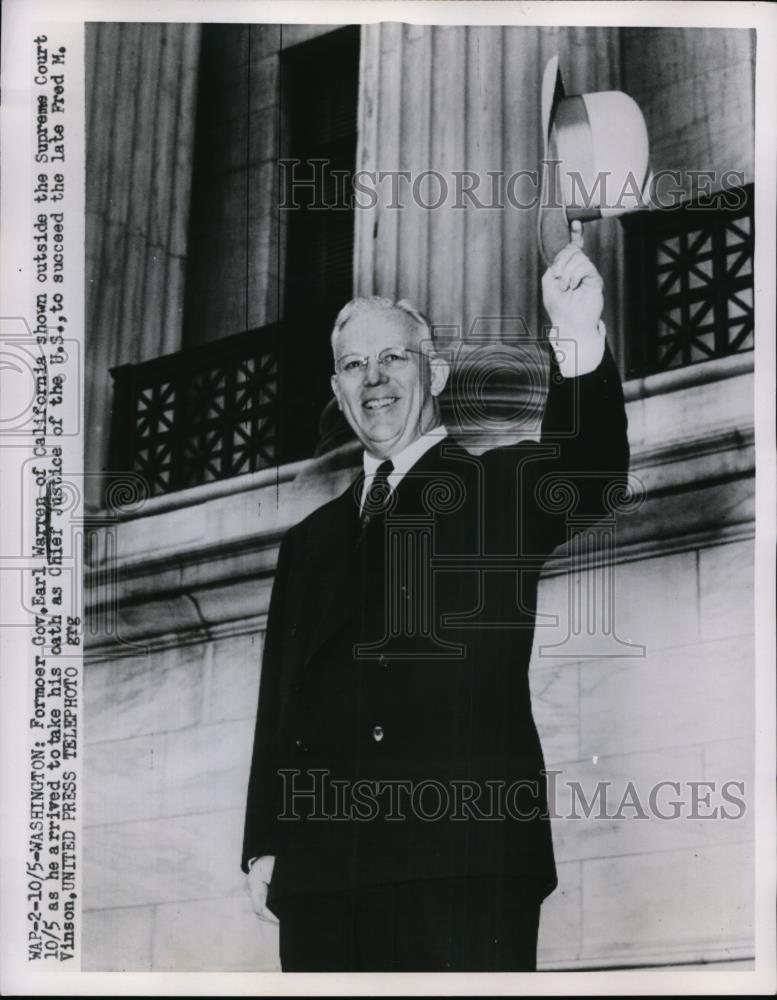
(169,743)
(699,107)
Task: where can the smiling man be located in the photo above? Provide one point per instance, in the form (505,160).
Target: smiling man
(397,812)
(387,378)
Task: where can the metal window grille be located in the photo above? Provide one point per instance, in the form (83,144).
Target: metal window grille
(690,282)
(199,415)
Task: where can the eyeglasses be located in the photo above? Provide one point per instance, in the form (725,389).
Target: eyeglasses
(392,359)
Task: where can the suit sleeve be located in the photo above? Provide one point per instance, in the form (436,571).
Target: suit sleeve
(263,803)
(584,436)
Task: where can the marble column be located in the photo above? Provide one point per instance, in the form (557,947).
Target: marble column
(141,96)
(464,102)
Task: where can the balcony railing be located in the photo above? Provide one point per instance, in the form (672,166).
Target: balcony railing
(690,282)
(199,415)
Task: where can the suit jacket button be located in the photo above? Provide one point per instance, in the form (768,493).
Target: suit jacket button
(293,630)
(377,733)
(300,745)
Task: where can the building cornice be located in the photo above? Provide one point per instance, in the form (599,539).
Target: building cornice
(196,565)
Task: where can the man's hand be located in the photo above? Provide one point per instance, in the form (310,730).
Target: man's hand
(573,295)
(259,877)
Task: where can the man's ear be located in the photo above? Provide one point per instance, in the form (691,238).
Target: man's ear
(439,371)
(336,390)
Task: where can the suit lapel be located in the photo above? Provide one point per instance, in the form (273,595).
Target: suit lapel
(332,593)
(337,573)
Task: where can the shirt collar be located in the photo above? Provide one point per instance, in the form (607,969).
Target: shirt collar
(404,460)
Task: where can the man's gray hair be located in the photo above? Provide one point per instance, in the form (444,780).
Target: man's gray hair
(378,303)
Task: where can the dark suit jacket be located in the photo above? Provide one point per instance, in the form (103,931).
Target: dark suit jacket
(404,656)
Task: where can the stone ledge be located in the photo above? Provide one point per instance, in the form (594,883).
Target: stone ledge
(685,464)
(689,376)
(147,639)
(341,463)
(198,589)
(194,563)
(681,959)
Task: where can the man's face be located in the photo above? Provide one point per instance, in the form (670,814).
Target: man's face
(388,406)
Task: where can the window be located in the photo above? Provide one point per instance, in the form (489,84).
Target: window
(689,282)
(248,390)
(320,84)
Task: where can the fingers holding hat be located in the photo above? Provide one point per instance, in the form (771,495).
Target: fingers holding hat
(571,266)
(562,258)
(576,233)
(580,269)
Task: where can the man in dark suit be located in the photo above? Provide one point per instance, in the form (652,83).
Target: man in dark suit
(397,804)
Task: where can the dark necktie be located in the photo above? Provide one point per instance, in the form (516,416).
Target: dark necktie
(376,499)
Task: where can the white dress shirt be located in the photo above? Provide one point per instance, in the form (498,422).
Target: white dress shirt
(403,461)
(582,356)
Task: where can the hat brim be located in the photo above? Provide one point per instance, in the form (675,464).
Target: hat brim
(552,92)
(552,221)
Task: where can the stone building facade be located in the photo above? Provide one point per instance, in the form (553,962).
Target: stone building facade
(187,248)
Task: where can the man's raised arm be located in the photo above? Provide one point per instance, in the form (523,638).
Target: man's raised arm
(585,416)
